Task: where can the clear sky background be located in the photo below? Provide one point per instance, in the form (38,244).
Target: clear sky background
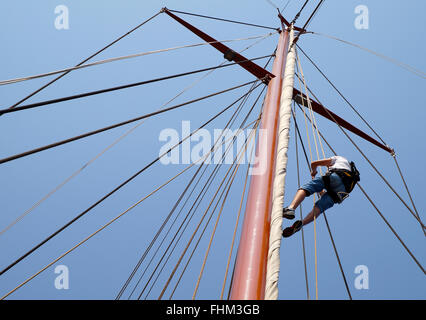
(389,97)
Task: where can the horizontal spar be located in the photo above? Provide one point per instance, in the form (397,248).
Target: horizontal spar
(323,111)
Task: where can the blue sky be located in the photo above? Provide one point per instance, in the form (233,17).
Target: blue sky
(384,94)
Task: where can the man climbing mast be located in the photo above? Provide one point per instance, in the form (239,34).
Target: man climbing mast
(333,187)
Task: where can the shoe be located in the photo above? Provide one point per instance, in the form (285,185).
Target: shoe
(287,232)
(288,213)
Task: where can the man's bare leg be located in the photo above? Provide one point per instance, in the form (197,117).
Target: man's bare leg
(298,198)
(310,217)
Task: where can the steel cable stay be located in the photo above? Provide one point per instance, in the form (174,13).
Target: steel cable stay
(196,204)
(233,117)
(120,186)
(88,134)
(85,60)
(376,208)
(121,87)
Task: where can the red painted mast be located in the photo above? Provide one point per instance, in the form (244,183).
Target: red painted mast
(250,269)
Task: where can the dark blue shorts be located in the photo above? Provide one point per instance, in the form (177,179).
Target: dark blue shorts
(317,185)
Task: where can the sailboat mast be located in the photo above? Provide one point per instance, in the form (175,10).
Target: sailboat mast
(249,278)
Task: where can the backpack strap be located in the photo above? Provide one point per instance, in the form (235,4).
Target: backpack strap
(330,191)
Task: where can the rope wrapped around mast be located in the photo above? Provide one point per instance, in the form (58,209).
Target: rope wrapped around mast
(273,264)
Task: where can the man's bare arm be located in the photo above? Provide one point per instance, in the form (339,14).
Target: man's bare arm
(323,162)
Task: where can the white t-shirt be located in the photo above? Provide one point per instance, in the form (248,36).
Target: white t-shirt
(338,162)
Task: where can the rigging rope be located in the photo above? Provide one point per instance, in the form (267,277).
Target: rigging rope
(42,75)
(84,61)
(195,232)
(368,160)
(230,122)
(316,130)
(377,135)
(300,205)
(230,182)
(178,281)
(68,179)
(131,85)
(58,187)
(380,213)
(315,226)
(238,218)
(196,204)
(313,14)
(308,21)
(119,216)
(93,234)
(341,95)
(204,216)
(298,13)
(382,56)
(408,191)
(286,5)
(117,188)
(88,134)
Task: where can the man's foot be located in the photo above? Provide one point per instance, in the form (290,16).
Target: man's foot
(288,213)
(287,232)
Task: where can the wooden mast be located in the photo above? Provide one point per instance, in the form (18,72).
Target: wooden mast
(250,270)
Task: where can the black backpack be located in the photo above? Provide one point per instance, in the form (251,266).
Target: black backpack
(349,178)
